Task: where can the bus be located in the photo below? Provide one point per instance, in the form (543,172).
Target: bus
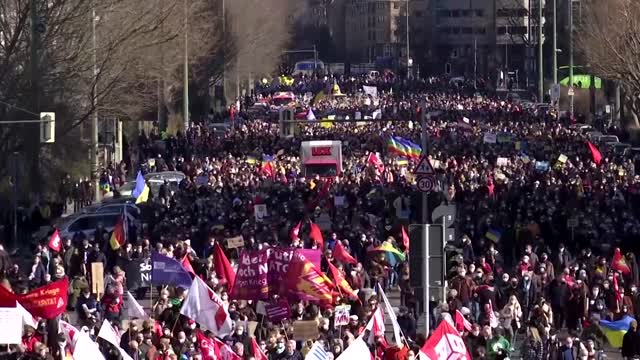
(306,67)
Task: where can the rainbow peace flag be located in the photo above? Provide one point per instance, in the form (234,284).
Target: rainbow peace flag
(392,255)
(403,147)
(615,330)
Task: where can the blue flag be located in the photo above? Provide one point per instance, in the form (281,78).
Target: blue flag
(168,271)
(140,184)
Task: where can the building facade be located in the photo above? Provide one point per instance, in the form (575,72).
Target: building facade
(375,30)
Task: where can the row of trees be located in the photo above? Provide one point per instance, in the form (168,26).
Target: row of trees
(48,55)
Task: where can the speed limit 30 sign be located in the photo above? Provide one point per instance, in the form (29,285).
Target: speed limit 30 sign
(426,183)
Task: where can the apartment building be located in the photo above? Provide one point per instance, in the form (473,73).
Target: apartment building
(375,30)
(490,38)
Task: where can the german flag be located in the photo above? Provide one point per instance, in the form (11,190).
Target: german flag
(118,235)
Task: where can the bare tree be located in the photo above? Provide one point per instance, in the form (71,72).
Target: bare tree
(261,31)
(610,41)
(128,37)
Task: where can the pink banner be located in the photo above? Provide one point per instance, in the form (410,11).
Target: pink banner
(252,276)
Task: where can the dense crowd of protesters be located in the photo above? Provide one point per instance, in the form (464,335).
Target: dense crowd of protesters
(538,219)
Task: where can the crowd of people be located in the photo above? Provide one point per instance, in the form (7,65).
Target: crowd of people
(541,210)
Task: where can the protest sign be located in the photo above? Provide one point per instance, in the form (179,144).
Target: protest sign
(11,325)
(490,138)
(97,278)
(251,277)
(278,312)
(138,273)
(305,329)
(235,242)
(342,315)
(260,211)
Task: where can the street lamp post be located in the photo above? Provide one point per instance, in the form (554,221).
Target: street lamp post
(555,42)
(408,56)
(185,105)
(540,55)
(94,100)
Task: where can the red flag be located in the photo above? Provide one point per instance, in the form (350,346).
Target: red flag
(257,352)
(342,283)
(207,347)
(267,169)
(295,231)
(619,263)
(595,153)
(316,235)
(405,239)
(222,267)
(374,160)
(55,243)
(462,323)
(186,264)
(342,255)
(46,302)
(616,289)
(445,343)
(225,352)
(305,282)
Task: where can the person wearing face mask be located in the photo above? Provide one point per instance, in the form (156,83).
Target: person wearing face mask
(289,352)
(181,344)
(596,303)
(87,308)
(559,293)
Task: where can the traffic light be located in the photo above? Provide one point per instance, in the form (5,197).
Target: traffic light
(47,127)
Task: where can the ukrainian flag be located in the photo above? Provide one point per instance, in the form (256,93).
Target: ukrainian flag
(493,235)
(251,159)
(141,191)
(615,330)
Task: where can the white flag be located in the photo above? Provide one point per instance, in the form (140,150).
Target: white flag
(70,333)
(86,349)
(205,307)
(134,309)
(376,325)
(392,316)
(311,115)
(109,335)
(27,318)
(358,350)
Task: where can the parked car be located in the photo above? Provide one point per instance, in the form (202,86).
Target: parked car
(113,207)
(86,224)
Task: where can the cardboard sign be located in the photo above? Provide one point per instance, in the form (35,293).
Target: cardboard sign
(342,315)
(305,330)
(11,325)
(502,161)
(235,242)
(97,278)
(260,212)
(490,138)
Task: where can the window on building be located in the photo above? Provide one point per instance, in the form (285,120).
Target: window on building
(396,5)
(417,13)
(455,30)
(502,30)
(479,12)
(455,13)
(466,13)
(481,30)
(467,30)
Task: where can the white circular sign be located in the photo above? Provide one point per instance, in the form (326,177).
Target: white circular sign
(426,183)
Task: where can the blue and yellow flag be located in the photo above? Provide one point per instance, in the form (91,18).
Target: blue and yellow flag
(615,330)
(141,191)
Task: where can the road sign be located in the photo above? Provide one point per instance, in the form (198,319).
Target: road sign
(426,183)
(572,223)
(555,92)
(571,92)
(424,168)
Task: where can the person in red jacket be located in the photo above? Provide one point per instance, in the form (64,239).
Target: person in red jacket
(30,339)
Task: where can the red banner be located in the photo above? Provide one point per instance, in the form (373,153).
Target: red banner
(46,302)
(445,343)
